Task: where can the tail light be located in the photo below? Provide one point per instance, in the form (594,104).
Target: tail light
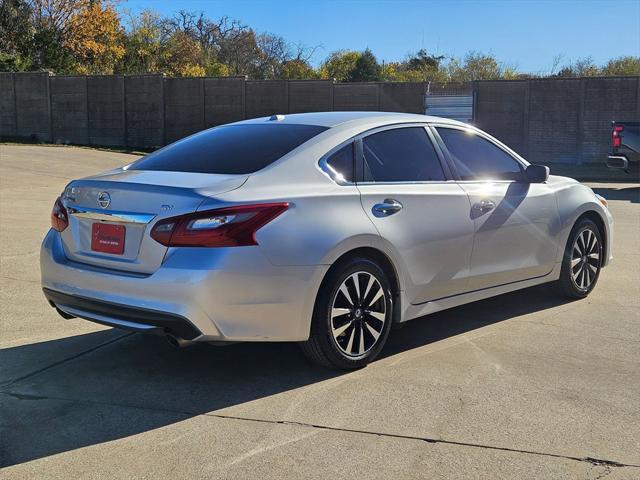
(616,135)
(59,216)
(223,227)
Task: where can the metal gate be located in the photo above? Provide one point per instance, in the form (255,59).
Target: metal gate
(449,101)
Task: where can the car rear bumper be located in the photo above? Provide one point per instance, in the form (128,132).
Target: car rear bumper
(122,316)
(208,294)
(618,161)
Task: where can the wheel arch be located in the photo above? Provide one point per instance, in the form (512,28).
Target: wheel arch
(596,218)
(383,260)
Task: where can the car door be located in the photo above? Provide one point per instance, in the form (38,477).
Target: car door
(515,222)
(417,209)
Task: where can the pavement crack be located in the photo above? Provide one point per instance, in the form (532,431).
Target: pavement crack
(591,460)
(607,464)
(63,361)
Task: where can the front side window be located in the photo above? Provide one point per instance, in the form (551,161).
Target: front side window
(232,149)
(401,155)
(341,163)
(478,159)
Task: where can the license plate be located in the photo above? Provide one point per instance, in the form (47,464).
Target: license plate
(107,238)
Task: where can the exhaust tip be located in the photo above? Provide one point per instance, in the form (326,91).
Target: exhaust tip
(177,342)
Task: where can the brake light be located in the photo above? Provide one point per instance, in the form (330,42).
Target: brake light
(222,227)
(59,216)
(616,135)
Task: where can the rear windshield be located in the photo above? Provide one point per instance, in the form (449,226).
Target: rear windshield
(232,149)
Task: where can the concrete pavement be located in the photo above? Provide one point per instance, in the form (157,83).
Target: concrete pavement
(525,385)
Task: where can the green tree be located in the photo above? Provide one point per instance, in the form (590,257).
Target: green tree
(143,44)
(16,32)
(339,65)
(476,66)
(582,67)
(366,68)
(51,20)
(297,70)
(622,66)
(216,69)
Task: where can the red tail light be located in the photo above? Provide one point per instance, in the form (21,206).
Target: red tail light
(59,216)
(616,135)
(223,227)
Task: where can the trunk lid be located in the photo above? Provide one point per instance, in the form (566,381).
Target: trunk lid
(135,200)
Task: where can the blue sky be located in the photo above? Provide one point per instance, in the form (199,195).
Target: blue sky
(527,34)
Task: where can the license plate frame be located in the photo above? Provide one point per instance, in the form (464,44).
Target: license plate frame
(108,238)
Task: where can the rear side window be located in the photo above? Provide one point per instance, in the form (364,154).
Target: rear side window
(233,149)
(476,158)
(341,162)
(401,155)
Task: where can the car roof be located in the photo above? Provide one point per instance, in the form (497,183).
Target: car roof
(334,119)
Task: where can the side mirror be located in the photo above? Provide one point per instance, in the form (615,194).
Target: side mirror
(536,174)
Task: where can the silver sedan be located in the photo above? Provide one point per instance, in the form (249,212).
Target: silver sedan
(319,228)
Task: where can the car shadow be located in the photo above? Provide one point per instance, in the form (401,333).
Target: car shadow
(629,194)
(83,401)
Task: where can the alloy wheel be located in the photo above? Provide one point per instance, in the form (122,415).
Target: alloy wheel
(358,313)
(585,259)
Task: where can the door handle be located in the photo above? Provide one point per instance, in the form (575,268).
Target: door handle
(388,207)
(484,206)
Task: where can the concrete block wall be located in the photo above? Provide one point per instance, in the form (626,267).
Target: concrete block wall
(557,120)
(144,106)
(106,107)
(310,96)
(554,120)
(616,99)
(545,120)
(266,97)
(224,100)
(499,110)
(69,110)
(7,106)
(33,110)
(357,97)
(183,107)
(404,97)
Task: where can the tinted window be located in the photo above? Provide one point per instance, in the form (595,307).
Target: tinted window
(234,149)
(477,158)
(401,155)
(342,162)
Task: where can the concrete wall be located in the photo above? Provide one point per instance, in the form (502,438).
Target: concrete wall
(69,110)
(357,96)
(183,107)
(546,120)
(7,106)
(402,97)
(144,104)
(33,110)
(224,100)
(310,96)
(106,107)
(266,97)
(557,120)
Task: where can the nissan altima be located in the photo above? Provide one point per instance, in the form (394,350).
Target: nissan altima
(320,228)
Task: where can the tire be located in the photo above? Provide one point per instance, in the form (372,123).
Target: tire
(582,261)
(350,325)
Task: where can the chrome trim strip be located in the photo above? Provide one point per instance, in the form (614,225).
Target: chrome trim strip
(101,215)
